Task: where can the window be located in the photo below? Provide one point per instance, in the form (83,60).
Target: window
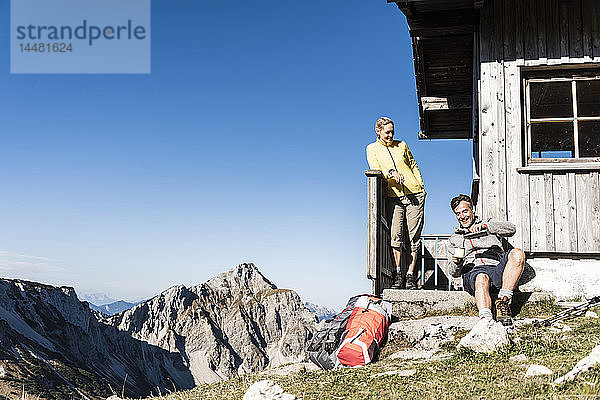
(562,119)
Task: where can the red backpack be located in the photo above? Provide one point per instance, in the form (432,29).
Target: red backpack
(365,332)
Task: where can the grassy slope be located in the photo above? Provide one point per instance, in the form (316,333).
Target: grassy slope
(463,375)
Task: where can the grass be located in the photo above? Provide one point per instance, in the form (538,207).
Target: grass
(465,375)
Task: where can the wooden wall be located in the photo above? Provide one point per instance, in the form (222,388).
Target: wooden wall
(555,211)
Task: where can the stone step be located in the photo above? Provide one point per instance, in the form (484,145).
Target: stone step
(419,303)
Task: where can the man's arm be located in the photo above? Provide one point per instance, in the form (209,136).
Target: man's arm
(501,228)
(454,265)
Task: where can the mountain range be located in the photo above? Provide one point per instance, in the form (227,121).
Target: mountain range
(53,346)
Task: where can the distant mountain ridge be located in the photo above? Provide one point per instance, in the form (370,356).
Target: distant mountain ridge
(113,308)
(98,298)
(237,322)
(322,313)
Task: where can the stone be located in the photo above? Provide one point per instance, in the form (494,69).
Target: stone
(518,359)
(559,327)
(537,370)
(584,365)
(591,314)
(398,372)
(267,390)
(429,333)
(417,303)
(486,336)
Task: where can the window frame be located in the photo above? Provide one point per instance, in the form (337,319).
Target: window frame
(573,77)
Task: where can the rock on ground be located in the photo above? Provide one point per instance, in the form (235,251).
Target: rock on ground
(558,327)
(536,370)
(430,333)
(519,358)
(267,390)
(585,364)
(486,336)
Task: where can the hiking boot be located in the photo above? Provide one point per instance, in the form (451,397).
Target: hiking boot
(410,282)
(503,312)
(399,282)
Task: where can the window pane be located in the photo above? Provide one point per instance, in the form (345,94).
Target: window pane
(588,98)
(589,138)
(551,99)
(552,140)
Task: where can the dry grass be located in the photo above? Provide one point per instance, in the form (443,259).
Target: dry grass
(465,375)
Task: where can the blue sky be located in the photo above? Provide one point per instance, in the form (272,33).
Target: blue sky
(244,144)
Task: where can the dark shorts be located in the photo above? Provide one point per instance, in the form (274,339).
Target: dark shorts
(494,272)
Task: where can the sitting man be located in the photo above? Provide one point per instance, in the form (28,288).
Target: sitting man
(477,254)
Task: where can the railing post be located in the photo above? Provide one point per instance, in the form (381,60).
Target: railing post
(374,210)
(381,266)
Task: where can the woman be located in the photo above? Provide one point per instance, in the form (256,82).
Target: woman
(405,193)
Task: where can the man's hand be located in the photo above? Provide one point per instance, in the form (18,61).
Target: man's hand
(397,177)
(477,228)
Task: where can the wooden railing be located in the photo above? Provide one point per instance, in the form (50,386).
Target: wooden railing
(380,259)
(431,266)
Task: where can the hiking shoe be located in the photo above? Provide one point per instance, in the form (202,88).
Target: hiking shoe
(503,312)
(410,282)
(399,282)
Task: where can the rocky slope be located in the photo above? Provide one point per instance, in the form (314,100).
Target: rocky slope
(237,322)
(52,344)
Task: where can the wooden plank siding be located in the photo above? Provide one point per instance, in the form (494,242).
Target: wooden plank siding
(555,211)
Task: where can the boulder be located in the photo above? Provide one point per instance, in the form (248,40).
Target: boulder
(518,359)
(537,370)
(585,364)
(430,333)
(267,390)
(486,336)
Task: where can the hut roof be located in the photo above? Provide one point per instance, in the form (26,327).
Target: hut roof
(443,40)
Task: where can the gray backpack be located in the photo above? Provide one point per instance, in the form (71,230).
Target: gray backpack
(325,342)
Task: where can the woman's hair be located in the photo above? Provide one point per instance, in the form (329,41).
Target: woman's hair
(381,122)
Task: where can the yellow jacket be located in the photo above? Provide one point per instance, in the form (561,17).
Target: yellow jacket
(396,156)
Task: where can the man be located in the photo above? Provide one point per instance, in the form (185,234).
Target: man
(405,192)
(476,252)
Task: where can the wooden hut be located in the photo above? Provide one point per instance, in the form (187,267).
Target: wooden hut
(521,79)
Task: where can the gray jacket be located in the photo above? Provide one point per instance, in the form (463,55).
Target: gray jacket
(483,250)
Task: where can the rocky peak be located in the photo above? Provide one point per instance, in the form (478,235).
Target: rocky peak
(244,279)
(235,323)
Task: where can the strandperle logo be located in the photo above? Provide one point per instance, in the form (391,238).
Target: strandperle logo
(85,31)
(80,36)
